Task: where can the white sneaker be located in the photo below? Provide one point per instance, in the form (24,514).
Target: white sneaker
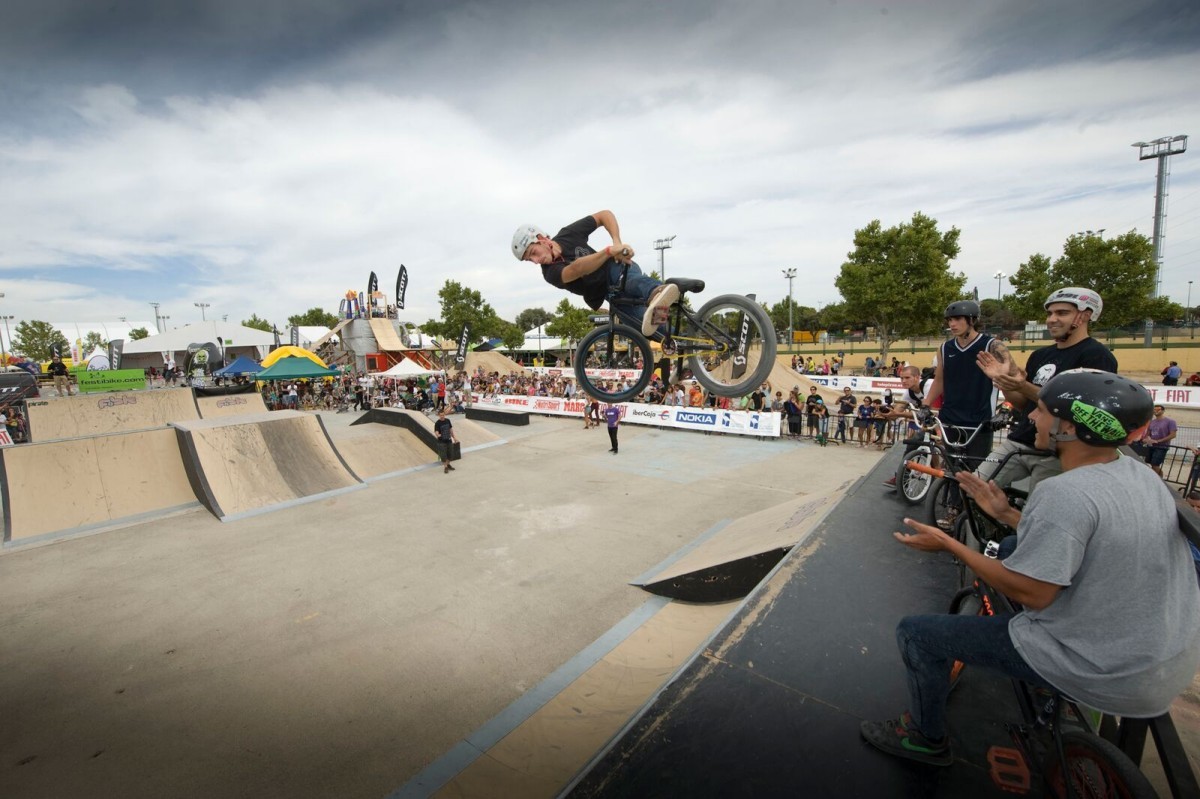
(661,300)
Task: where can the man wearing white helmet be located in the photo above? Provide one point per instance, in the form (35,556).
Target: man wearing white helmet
(569,262)
(1068,313)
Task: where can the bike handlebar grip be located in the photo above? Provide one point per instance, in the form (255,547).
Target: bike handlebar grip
(920,467)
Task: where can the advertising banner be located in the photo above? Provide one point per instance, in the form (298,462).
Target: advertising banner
(401,287)
(743,423)
(115,350)
(460,355)
(855,382)
(111,380)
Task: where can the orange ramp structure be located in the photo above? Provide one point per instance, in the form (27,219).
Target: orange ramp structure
(245,465)
(81,485)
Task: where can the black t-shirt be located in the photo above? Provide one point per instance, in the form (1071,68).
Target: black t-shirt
(442,428)
(1044,364)
(756,400)
(810,403)
(574,242)
(846,404)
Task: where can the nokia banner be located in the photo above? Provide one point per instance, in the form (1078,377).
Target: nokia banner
(460,356)
(401,287)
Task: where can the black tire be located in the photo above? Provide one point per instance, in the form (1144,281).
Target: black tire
(940,506)
(720,371)
(1097,768)
(615,347)
(965,603)
(964,534)
(914,486)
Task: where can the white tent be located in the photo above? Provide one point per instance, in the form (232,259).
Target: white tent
(407,368)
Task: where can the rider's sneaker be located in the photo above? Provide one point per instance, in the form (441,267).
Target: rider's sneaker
(899,738)
(660,299)
(890,482)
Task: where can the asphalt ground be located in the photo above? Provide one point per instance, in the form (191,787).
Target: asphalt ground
(337,648)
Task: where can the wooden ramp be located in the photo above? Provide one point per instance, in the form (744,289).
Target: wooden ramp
(730,561)
(79,485)
(113,412)
(377,451)
(231,405)
(244,465)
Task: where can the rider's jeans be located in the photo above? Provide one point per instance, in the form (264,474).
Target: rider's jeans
(931,644)
(637,287)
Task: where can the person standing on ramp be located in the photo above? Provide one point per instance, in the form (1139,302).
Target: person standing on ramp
(446,439)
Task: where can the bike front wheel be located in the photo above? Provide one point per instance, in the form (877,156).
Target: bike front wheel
(736,343)
(911,485)
(1096,768)
(606,352)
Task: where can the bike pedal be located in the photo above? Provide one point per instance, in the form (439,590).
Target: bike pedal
(661,316)
(1009,771)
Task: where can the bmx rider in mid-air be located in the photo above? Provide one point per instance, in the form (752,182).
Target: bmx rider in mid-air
(569,262)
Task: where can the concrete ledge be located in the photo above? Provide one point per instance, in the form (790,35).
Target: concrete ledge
(498,416)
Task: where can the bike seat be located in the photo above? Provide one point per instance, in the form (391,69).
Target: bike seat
(686,284)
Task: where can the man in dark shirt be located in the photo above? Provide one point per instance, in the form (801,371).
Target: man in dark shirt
(569,262)
(1069,311)
(62,378)
(446,439)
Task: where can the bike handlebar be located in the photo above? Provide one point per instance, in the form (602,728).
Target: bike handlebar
(920,467)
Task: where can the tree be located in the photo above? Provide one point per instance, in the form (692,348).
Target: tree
(899,280)
(461,305)
(512,336)
(34,338)
(138,333)
(1120,269)
(779,314)
(997,314)
(313,317)
(91,342)
(530,318)
(258,324)
(570,322)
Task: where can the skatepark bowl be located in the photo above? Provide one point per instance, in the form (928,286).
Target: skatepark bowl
(306,605)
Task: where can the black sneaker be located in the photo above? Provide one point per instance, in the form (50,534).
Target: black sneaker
(896,737)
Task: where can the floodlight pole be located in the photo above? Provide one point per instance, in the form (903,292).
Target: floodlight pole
(661,245)
(202,306)
(999,277)
(1191,327)
(790,274)
(157,324)
(1162,149)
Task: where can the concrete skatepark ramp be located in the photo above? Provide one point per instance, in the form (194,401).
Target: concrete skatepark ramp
(85,484)
(730,562)
(244,465)
(113,412)
(230,405)
(375,451)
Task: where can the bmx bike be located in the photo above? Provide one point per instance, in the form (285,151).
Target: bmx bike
(1056,737)
(938,444)
(729,345)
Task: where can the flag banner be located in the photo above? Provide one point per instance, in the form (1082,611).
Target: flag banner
(460,356)
(295,339)
(401,287)
(115,350)
(372,287)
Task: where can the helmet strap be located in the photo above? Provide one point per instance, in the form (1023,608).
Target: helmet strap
(1056,437)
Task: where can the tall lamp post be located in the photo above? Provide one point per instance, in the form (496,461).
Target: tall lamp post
(1162,149)
(999,277)
(157,323)
(790,274)
(661,245)
(1191,327)
(202,306)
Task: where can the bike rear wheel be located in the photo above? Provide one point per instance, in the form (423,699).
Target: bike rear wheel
(913,486)
(739,346)
(1097,768)
(607,349)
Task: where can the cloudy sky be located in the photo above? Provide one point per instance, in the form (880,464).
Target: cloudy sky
(265,156)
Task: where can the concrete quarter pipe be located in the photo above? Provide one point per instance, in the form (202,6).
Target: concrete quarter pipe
(82,484)
(243,465)
(231,405)
(115,412)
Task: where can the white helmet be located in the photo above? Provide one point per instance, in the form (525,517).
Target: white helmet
(1081,298)
(525,235)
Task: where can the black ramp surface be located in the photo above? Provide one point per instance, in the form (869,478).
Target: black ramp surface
(773,706)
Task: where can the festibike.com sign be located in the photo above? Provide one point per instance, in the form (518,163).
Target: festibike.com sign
(711,420)
(110,380)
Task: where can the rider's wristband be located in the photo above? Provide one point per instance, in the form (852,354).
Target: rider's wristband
(608,251)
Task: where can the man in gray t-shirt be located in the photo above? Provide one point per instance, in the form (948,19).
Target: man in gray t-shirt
(1111,612)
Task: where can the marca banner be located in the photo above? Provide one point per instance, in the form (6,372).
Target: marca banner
(115,350)
(742,423)
(111,380)
(460,355)
(401,287)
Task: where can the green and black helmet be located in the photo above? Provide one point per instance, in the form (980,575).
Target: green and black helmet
(1105,408)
